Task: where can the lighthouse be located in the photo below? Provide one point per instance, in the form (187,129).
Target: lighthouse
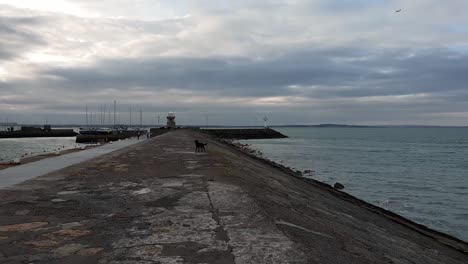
(171,120)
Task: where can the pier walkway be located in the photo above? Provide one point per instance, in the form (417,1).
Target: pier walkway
(159,202)
(15,175)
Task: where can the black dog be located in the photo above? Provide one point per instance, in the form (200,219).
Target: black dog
(199,146)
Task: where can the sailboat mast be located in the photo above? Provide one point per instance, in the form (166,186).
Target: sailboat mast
(100,115)
(115,110)
(104,114)
(141,117)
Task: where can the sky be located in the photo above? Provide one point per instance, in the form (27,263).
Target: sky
(234,62)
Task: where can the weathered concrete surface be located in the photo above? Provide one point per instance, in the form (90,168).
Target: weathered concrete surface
(160,202)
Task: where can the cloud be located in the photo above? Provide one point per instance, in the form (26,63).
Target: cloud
(308,61)
(315,74)
(17,36)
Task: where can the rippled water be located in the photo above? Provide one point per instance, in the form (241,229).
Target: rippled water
(12,148)
(420,173)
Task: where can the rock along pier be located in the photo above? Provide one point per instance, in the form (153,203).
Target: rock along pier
(160,202)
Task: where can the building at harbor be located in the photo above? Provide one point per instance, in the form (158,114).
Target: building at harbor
(171,120)
(9,127)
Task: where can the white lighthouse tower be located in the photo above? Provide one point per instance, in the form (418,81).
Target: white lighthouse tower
(171,120)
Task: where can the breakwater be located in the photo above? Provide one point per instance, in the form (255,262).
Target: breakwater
(244,133)
(102,138)
(160,202)
(111,136)
(116,136)
(38,133)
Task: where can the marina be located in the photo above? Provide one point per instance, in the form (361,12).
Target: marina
(14,130)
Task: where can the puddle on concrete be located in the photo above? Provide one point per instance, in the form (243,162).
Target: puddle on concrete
(166,202)
(192,167)
(128,184)
(22,212)
(67,192)
(121,168)
(173,184)
(190,152)
(70,225)
(192,175)
(142,191)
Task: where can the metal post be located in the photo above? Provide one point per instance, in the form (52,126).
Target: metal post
(115,109)
(141,118)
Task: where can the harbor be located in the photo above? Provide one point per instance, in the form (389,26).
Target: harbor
(159,201)
(14,130)
(26,143)
(99,130)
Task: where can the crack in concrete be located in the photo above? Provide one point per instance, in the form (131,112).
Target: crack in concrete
(220,232)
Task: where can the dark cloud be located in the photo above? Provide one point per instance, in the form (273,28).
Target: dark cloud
(16,37)
(322,74)
(223,76)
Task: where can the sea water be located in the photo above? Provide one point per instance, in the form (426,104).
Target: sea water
(12,148)
(420,173)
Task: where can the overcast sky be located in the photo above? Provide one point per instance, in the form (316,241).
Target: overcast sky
(305,62)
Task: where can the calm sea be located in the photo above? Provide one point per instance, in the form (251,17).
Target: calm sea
(11,148)
(420,173)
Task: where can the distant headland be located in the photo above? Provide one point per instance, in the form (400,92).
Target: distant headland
(370,126)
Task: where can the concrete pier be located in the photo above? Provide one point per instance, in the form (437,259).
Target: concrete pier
(160,202)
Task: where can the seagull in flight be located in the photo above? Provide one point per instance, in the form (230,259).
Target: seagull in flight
(398,11)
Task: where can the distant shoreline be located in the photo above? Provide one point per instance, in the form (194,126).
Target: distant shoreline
(374,126)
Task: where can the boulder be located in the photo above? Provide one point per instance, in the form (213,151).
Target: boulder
(338,186)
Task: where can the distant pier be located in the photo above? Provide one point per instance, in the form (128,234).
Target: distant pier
(244,133)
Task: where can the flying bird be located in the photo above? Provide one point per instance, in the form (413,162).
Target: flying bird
(398,11)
